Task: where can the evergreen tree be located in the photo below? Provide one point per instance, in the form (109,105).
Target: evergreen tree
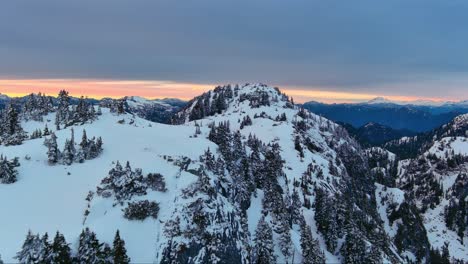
(44,249)
(11,132)
(84,140)
(53,152)
(298,147)
(296,205)
(238,151)
(88,247)
(46,131)
(34,249)
(257,167)
(311,253)
(325,217)
(283,230)
(123,183)
(60,250)
(8,171)
(354,248)
(119,252)
(246,121)
(445,254)
(63,111)
(68,153)
(263,248)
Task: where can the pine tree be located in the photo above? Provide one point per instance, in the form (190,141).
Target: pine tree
(46,131)
(68,153)
(11,131)
(119,252)
(8,171)
(60,250)
(298,147)
(283,230)
(63,111)
(238,151)
(88,247)
(209,160)
(257,167)
(57,122)
(44,249)
(325,217)
(53,152)
(296,205)
(354,248)
(311,253)
(264,248)
(105,255)
(445,254)
(34,249)
(123,183)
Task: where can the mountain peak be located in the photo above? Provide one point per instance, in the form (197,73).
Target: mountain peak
(379,100)
(232,98)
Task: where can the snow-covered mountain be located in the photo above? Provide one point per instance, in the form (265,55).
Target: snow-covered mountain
(156,110)
(243,176)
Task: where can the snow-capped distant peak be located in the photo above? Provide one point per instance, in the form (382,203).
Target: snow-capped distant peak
(417,102)
(379,100)
(138,101)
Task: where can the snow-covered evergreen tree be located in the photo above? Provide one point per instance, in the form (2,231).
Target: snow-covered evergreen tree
(63,108)
(263,244)
(53,152)
(68,153)
(311,252)
(11,132)
(119,252)
(123,183)
(34,249)
(60,252)
(8,171)
(88,248)
(140,210)
(89,149)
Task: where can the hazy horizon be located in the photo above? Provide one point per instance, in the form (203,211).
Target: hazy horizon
(99,89)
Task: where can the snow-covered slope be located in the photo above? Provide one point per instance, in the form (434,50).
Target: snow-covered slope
(436,182)
(50,198)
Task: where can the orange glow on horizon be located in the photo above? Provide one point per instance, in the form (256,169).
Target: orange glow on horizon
(104,88)
(170,89)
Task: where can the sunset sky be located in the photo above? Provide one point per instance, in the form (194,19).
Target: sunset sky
(169,89)
(330,51)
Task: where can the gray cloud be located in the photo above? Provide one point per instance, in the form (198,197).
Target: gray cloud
(364,46)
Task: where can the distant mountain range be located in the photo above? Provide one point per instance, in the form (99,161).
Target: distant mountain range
(417,116)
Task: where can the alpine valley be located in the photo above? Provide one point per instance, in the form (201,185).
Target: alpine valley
(239,174)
